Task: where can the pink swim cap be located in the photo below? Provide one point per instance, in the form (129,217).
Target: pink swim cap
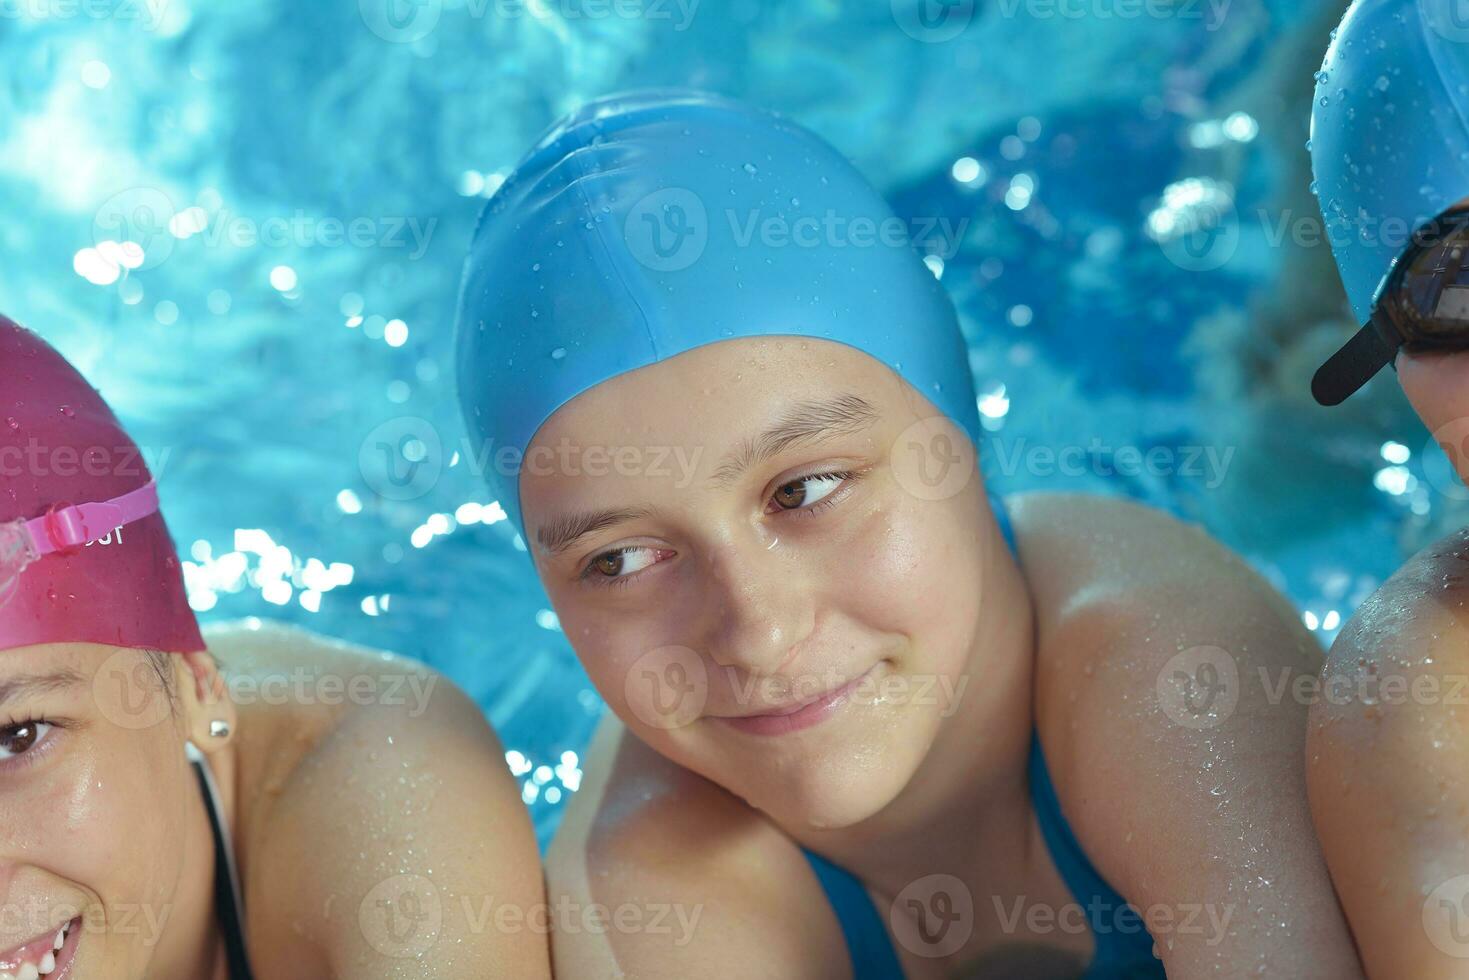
(60,445)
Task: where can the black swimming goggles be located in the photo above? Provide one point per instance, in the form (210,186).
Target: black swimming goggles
(1423,305)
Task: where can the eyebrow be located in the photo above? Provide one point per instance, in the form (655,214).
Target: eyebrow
(559,535)
(33,684)
(801,423)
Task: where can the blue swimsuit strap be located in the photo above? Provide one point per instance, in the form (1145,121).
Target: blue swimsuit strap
(869,946)
(1123,947)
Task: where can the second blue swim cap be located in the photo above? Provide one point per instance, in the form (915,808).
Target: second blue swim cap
(648,224)
(1390,132)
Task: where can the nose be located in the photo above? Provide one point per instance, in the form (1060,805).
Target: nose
(764,606)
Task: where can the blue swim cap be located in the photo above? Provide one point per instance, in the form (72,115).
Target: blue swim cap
(647,224)
(1389,132)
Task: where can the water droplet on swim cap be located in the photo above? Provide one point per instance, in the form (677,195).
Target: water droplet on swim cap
(557,353)
(1416,50)
(670,269)
(121,593)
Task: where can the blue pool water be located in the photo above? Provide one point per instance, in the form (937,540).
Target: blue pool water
(245,223)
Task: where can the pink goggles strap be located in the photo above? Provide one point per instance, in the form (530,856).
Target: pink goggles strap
(75,525)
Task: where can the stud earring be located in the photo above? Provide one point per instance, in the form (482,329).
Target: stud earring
(219,728)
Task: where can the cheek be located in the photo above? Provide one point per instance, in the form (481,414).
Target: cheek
(918,576)
(609,646)
(106,821)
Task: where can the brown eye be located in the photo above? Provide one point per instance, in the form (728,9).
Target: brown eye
(800,494)
(620,564)
(791,495)
(21,738)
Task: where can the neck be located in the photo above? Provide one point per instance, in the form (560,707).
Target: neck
(967,808)
(192,944)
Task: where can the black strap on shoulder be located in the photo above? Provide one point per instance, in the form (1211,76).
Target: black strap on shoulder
(227,900)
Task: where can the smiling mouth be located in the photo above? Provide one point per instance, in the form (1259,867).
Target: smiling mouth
(49,955)
(791,718)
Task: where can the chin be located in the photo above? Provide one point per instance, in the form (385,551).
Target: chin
(845,777)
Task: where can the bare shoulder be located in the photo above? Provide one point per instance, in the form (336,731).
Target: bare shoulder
(1114,547)
(662,873)
(370,787)
(1400,652)
(1388,745)
(1126,594)
(1167,673)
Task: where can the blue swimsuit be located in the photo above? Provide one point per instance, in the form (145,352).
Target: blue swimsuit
(1124,949)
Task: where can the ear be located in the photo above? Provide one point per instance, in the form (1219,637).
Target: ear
(209,713)
(1438,386)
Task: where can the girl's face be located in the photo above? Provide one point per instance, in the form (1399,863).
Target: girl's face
(752,527)
(95,791)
